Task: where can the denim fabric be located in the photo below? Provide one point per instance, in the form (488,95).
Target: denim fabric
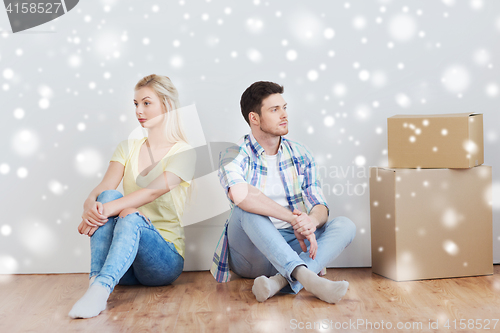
(257,248)
(129,250)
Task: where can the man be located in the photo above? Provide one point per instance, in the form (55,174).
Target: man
(278,224)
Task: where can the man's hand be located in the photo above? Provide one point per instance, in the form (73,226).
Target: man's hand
(85,229)
(304,223)
(302,226)
(313,248)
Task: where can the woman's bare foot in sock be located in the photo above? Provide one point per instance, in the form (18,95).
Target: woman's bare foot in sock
(264,288)
(91,303)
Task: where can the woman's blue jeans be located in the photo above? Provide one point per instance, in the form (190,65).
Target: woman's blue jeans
(129,250)
(257,248)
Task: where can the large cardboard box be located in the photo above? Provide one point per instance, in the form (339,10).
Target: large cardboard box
(435,141)
(431,223)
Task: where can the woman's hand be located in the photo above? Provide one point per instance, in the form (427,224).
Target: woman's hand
(85,229)
(93,214)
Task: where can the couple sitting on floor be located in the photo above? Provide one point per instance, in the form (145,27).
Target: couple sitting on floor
(278,230)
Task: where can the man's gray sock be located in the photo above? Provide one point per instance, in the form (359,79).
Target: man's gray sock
(324,289)
(264,287)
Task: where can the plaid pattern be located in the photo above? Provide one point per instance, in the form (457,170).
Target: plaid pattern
(245,163)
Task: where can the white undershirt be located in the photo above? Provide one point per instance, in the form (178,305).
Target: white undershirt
(274,188)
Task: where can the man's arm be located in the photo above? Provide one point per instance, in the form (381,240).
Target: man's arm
(313,195)
(233,164)
(319,215)
(251,199)
(307,224)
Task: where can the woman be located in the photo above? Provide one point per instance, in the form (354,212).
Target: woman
(138,238)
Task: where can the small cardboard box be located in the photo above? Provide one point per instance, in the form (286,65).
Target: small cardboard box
(435,141)
(431,223)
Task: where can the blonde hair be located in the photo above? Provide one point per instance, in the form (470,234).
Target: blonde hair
(166,91)
(174,129)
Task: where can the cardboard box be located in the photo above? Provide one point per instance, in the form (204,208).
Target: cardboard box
(435,141)
(431,223)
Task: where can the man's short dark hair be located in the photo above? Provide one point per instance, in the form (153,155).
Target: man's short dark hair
(251,100)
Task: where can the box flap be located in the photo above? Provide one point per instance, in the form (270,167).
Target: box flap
(446,115)
(385,168)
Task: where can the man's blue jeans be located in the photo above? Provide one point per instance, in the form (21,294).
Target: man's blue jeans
(130,250)
(257,248)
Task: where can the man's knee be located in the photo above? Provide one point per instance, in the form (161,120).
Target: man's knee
(246,217)
(344,224)
(238,210)
(109,195)
(348,226)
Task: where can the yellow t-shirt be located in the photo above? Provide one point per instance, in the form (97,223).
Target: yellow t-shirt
(165,212)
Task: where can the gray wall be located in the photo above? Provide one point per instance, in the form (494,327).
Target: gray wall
(67,90)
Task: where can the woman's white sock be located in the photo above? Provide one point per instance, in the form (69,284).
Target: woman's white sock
(91,304)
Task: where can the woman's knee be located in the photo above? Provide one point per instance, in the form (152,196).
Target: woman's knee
(129,220)
(109,195)
(128,211)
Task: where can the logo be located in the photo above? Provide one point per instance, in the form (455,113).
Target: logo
(198,165)
(25,14)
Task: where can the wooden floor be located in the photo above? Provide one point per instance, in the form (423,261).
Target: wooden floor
(197,303)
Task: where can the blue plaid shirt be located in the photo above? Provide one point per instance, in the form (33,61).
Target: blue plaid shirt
(244,163)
